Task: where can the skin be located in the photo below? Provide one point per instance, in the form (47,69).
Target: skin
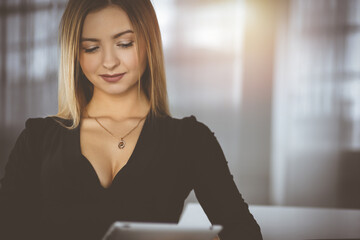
(112,56)
(117,106)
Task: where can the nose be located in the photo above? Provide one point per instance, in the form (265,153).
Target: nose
(110,59)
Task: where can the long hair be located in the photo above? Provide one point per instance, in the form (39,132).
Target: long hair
(75,91)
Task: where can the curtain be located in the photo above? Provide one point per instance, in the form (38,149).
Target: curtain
(203,60)
(28,65)
(316,118)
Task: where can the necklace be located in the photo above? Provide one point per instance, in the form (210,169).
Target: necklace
(122,143)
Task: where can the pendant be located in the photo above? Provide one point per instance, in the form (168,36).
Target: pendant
(121,144)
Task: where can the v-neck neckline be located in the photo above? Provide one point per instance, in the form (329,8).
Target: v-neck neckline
(129,163)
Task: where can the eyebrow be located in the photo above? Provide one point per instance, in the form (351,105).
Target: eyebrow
(113,37)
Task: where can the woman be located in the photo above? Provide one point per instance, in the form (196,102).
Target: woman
(113,152)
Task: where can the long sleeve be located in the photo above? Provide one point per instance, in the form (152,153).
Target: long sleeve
(19,193)
(215,188)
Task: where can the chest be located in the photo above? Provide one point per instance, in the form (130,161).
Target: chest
(102,151)
(88,166)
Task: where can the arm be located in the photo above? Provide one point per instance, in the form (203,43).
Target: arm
(215,188)
(19,203)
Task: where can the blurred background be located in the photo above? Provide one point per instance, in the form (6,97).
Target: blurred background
(277,81)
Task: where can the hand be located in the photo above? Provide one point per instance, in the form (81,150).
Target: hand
(217,238)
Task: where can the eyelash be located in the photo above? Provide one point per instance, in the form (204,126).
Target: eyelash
(90,50)
(125,45)
(122,45)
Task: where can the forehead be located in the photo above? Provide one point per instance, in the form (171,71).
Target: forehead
(106,22)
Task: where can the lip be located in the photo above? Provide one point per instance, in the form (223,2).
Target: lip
(112,78)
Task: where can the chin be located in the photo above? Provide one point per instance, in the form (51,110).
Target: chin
(118,91)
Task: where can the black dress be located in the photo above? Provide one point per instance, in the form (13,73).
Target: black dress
(51,191)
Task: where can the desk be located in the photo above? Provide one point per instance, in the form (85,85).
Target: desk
(293,223)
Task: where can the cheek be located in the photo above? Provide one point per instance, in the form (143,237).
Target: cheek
(128,58)
(89,64)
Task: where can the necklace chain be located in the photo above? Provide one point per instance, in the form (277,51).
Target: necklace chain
(122,142)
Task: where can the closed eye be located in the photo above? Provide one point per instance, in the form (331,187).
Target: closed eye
(125,45)
(90,50)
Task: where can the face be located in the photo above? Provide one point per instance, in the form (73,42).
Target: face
(108,52)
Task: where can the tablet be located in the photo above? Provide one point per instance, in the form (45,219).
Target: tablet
(159,231)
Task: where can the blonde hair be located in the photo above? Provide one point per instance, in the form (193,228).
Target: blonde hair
(75,91)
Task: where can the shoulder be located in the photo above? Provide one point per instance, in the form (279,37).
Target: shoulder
(195,140)
(41,124)
(39,133)
(188,126)
(36,129)
(35,126)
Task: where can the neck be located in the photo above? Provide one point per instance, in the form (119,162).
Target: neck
(118,107)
